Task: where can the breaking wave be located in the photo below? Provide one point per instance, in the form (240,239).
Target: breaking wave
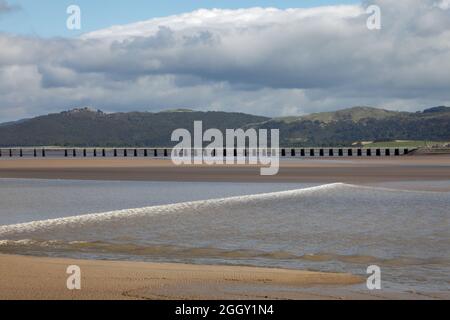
(42,225)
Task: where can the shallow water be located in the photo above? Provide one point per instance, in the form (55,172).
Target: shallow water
(335,227)
(25,200)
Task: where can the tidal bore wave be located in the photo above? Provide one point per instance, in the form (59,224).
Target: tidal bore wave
(117,215)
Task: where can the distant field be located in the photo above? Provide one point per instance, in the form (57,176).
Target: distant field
(408,144)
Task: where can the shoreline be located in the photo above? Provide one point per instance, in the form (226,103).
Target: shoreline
(27,277)
(330,170)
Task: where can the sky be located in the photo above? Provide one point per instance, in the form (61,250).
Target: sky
(273,58)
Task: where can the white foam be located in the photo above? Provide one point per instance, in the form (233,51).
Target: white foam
(25,242)
(33,226)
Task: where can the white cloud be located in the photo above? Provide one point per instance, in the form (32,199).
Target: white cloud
(444,4)
(224,20)
(263,61)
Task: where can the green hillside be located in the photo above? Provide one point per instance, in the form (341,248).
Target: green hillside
(85,127)
(345,127)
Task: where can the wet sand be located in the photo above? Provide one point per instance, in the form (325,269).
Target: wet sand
(33,278)
(347,170)
(45,278)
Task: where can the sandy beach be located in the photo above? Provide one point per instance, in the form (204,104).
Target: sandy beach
(349,170)
(45,278)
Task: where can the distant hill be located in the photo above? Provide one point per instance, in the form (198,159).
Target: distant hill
(344,127)
(353,114)
(87,127)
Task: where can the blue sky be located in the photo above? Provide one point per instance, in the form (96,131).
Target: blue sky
(47,18)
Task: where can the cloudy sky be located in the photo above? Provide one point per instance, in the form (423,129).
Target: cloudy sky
(274,58)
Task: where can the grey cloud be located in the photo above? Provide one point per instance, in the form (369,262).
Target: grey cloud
(203,37)
(164,38)
(276,66)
